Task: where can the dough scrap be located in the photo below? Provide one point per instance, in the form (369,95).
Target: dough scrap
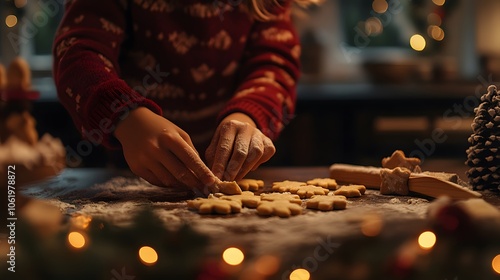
(351,191)
(327,203)
(228,187)
(280,208)
(293,198)
(250,184)
(285,186)
(327,183)
(308,191)
(214,206)
(246,198)
(395,181)
(398,159)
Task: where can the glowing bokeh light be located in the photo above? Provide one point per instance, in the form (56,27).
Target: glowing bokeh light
(434,19)
(427,240)
(417,42)
(233,256)
(267,265)
(380,6)
(436,32)
(11,20)
(495,263)
(300,274)
(148,255)
(373,26)
(439,2)
(20,3)
(371,225)
(76,239)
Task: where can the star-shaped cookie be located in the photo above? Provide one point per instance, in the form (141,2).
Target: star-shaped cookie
(285,186)
(250,184)
(280,208)
(246,198)
(228,187)
(308,191)
(327,183)
(394,181)
(214,206)
(398,159)
(351,190)
(293,198)
(327,203)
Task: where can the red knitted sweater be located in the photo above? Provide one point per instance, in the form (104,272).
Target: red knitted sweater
(192,61)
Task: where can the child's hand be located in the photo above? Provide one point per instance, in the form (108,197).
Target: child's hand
(238,147)
(160,152)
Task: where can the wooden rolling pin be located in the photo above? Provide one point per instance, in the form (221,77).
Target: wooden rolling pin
(418,182)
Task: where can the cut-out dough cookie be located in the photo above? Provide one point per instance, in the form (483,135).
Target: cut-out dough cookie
(398,159)
(286,185)
(394,181)
(247,199)
(293,198)
(228,187)
(308,191)
(351,190)
(327,203)
(327,183)
(280,208)
(250,184)
(214,206)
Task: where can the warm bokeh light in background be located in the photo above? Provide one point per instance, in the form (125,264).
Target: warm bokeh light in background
(436,32)
(380,6)
(20,3)
(233,256)
(373,26)
(439,2)
(267,265)
(495,263)
(300,274)
(148,255)
(76,239)
(427,240)
(434,19)
(417,42)
(371,225)
(11,20)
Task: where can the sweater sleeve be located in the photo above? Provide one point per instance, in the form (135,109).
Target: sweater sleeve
(86,71)
(268,74)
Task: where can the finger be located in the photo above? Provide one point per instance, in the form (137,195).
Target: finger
(160,172)
(151,178)
(239,154)
(186,138)
(223,150)
(255,153)
(183,161)
(269,151)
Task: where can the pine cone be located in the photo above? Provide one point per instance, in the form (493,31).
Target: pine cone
(483,156)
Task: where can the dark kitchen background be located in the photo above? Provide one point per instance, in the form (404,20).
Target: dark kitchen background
(377,76)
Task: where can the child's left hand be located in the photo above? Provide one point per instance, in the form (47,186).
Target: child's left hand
(238,147)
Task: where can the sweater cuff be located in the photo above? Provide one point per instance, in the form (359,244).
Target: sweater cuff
(111,102)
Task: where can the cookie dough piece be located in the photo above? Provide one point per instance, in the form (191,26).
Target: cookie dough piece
(308,191)
(214,206)
(327,203)
(280,208)
(398,159)
(285,186)
(395,181)
(228,187)
(326,183)
(292,198)
(250,184)
(351,191)
(247,199)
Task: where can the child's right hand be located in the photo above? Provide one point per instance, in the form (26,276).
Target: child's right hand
(160,152)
